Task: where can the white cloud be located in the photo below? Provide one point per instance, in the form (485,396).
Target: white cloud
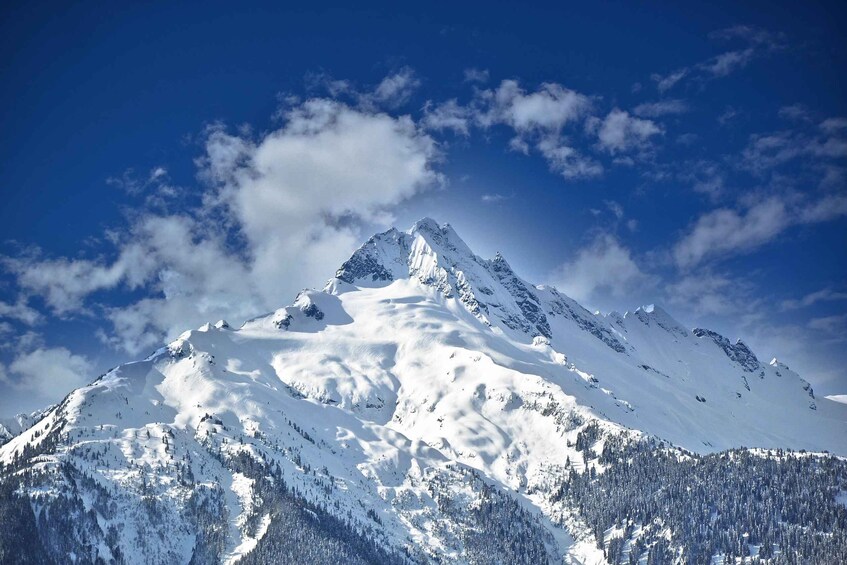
(765,152)
(282,212)
(327,159)
(395,90)
(833,125)
(829,207)
(519,145)
(666,82)
(795,112)
(727,231)
(537,119)
(704,176)
(620,132)
(660,108)
(323,82)
(549,108)
(729,62)
(493,198)
(447,116)
(48,372)
(21,312)
(133,184)
(758,42)
(64,283)
(706,293)
(567,161)
(604,266)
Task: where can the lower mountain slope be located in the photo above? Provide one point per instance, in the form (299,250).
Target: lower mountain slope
(427,405)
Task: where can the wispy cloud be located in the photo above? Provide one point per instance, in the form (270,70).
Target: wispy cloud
(391,92)
(476,75)
(567,161)
(765,152)
(756,42)
(396,89)
(661,108)
(495,197)
(726,231)
(822,295)
(727,116)
(46,370)
(666,82)
(795,112)
(835,325)
(21,312)
(729,62)
(605,265)
(620,132)
(448,115)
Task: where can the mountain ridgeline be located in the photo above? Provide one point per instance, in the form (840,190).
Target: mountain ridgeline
(426,406)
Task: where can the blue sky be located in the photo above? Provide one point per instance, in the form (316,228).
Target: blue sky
(165,165)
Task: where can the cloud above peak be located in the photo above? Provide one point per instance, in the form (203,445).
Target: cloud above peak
(43,371)
(605,265)
(280,212)
(321,162)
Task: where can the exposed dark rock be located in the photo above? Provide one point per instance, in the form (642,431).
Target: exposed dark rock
(739,352)
(525,298)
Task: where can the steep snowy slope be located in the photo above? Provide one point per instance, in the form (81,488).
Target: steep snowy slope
(642,370)
(424,389)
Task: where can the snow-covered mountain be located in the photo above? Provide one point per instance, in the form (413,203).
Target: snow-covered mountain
(10,427)
(406,412)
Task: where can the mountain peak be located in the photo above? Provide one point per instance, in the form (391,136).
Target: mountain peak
(653,313)
(500,262)
(436,256)
(425,224)
(442,239)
